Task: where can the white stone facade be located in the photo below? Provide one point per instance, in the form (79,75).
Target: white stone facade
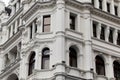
(60,40)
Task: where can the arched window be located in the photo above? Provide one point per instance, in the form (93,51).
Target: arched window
(72,57)
(116,67)
(31,63)
(45,58)
(13,77)
(100,66)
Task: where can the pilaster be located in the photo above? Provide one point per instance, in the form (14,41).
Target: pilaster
(112,10)
(87,44)
(39,23)
(107,32)
(119,8)
(109,68)
(115,36)
(98,30)
(104,5)
(96,3)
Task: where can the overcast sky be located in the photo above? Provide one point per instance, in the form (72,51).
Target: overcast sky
(6,1)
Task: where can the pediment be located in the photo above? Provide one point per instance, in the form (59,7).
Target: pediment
(37,6)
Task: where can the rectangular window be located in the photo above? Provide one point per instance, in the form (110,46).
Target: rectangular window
(102,35)
(118,39)
(116,10)
(111,36)
(72,21)
(94,29)
(100,4)
(108,7)
(46,23)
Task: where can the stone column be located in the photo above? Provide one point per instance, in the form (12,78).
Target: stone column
(39,23)
(20,23)
(33,29)
(11,32)
(60,29)
(23,68)
(104,5)
(98,30)
(119,8)
(115,36)
(107,32)
(67,57)
(96,4)
(112,9)
(109,68)
(37,61)
(59,45)
(16,26)
(17,6)
(87,65)
(2,60)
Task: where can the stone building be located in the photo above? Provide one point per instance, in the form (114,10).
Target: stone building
(60,40)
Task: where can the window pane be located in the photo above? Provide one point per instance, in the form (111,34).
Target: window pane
(111,36)
(46,20)
(46,23)
(46,63)
(102,35)
(47,28)
(94,30)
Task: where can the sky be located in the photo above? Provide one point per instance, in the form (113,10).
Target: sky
(6,1)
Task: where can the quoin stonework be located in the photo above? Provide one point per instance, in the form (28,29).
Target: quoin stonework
(60,40)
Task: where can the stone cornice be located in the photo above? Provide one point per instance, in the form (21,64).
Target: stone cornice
(26,2)
(105,15)
(11,40)
(78,4)
(38,5)
(15,15)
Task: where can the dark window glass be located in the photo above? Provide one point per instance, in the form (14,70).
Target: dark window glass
(116,10)
(94,29)
(46,23)
(111,36)
(100,66)
(45,58)
(92,2)
(35,26)
(72,22)
(100,4)
(118,39)
(116,70)
(31,63)
(108,7)
(31,30)
(73,57)
(102,35)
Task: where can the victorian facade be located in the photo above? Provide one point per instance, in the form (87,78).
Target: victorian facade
(60,40)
